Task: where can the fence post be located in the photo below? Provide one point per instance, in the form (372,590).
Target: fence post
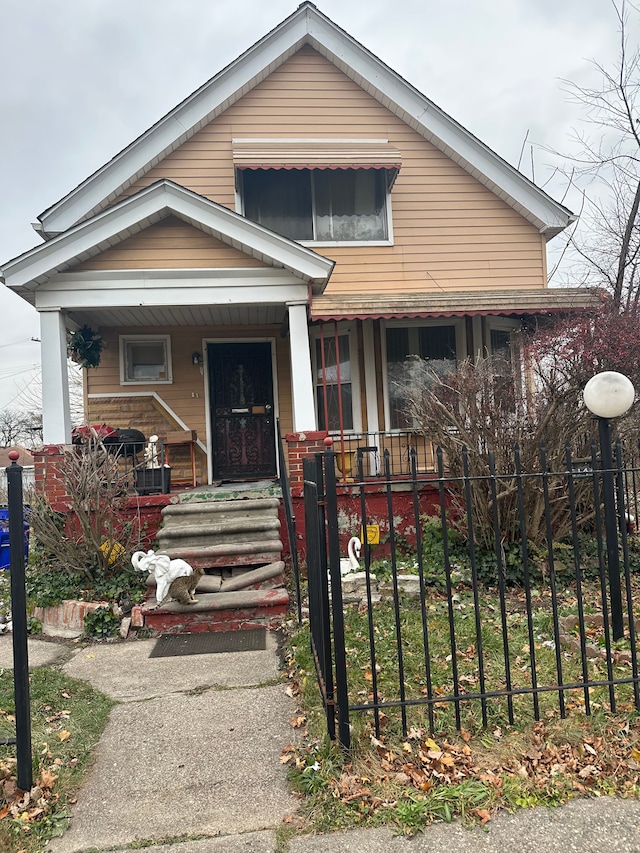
(611,522)
(19,620)
(319,616)
(342,691)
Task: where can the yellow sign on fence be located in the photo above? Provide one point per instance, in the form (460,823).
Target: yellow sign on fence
(373,534)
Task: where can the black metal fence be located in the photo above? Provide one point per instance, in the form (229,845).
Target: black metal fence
(519,599)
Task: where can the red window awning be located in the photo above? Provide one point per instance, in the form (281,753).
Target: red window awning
(316,154)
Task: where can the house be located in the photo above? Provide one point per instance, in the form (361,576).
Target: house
(25,460)
(275,247)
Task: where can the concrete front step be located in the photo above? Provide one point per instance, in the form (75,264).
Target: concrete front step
(219,611)
(218,533)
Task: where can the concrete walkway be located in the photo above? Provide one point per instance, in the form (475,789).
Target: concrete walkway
(192,751)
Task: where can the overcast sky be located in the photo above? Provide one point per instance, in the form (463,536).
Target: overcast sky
(82,78)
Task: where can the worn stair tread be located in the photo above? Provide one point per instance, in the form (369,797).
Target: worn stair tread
(244,506)
(245,598)
(225,548)
(218,528)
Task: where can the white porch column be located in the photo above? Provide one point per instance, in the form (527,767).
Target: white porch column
(56,418)
(304,410)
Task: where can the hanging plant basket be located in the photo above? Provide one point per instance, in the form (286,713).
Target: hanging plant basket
(84,347)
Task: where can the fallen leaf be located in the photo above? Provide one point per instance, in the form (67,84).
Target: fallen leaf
(483,814)
(64,735)
(587,771)
(48,779)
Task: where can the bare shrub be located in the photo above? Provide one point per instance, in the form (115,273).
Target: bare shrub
(93,537)
(480,407)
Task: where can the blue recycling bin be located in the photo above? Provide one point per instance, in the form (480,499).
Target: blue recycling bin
(5,556)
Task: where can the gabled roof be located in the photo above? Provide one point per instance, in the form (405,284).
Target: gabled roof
(131,215)
(306,26)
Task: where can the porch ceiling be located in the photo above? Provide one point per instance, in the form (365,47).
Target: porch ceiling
(179,315)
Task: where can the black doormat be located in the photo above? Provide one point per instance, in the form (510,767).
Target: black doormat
(210,642)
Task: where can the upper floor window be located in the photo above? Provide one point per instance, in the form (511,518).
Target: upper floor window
(319,205)
(145,358)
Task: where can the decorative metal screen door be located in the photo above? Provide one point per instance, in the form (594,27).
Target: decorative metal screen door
(242,417)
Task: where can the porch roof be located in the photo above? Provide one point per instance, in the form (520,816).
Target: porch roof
(495,302)
(28,272)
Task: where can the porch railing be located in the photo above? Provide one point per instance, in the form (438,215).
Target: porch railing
(400,446)
(135,472)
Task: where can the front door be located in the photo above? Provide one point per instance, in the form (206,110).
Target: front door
(242,417)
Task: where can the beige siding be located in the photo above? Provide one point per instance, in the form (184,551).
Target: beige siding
(449,230)
(171,244)
(120,409)
(450,233)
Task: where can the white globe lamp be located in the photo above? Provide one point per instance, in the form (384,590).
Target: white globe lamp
(609,394)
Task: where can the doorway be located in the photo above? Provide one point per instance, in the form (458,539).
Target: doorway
(242,410)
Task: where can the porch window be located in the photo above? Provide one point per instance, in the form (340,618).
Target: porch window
(341,391)
(318,205)
(437,344)
(144,359)
(505,353)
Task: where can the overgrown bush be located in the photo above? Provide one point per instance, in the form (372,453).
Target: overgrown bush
(530,397)
(84,551)
(468,411)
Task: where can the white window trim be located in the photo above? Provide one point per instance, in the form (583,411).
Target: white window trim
(344,328)
(239,196)
(166,339)
(461,351)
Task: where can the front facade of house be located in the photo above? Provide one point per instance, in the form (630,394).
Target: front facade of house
(275,248)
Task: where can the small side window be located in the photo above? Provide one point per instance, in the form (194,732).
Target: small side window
(145,359)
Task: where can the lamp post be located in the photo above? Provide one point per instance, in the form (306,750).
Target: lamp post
(609,395)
